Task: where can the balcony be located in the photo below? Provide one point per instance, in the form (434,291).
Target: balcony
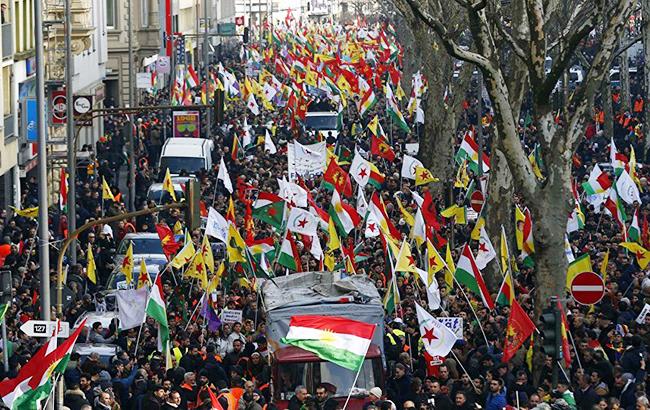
(9,125)
(7,40)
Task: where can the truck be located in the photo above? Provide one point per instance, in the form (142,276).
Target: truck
(327,294)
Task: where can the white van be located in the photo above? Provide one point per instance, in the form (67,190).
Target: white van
(186,154)
(323,122)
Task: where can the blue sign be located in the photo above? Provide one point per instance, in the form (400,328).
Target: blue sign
(30,119)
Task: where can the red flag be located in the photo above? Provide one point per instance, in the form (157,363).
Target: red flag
(564,333)
(520,327)
(380,148)
(644,232)
(169,244)
(338,178)
(429,212)
(214,401)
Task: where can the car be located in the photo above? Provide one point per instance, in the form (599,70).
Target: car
(106,351)
(146,246)
(105,318)
(159,195)
(117,280)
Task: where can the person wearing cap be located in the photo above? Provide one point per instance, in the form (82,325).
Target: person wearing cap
(374,396)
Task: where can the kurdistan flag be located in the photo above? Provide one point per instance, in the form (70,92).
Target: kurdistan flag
(393,109)
(157,310)
(468,274)
(339,340)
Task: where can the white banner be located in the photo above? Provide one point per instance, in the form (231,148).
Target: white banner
(231,316)
(131,305)
(143,80)
(644,312)
(306,160)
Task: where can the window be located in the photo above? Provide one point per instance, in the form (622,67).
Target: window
(111,18)
(145,12)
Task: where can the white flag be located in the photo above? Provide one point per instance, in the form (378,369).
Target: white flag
(372,225)
(252,105)
(627,189)
(316,250)
(438,339)
(567,249)
(223,175)
(362,204)
(419,114)
(131,304)
(418,232)
(360,170)
(417,198)
(247,139)
(409,164)
(433,293)
(294,194)
(268,144)
(486,251)
(302,221)
(216,226)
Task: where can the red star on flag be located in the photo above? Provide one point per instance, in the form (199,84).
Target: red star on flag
(126,262)
(411,260)
(372,227)
(302,223)
(363,173)
(482,247)
(424,175)
(271,212)
(429,335)
(432,262)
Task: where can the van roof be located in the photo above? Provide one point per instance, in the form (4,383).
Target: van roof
(185,147)
(186,141)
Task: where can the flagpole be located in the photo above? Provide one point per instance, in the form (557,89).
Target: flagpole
(194,311)
(460,363)
(573,343)
(137,341)
(356,377)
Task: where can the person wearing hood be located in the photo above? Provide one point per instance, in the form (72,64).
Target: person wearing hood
(74,397)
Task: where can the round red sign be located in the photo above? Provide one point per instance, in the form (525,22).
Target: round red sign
(587,288)
(477,200)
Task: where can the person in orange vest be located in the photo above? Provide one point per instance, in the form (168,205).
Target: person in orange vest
(638,105)
(188,390)
(226,395)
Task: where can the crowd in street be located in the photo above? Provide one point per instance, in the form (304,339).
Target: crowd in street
(608,343)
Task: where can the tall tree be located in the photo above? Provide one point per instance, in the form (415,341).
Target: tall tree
(548,198)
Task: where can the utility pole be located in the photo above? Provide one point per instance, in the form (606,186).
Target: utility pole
(206,66)
(479,127)
(131,104)
(69,111)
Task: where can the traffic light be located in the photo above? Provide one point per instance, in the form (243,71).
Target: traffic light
(245,35)
(193,207)
(550,332)
(219,97)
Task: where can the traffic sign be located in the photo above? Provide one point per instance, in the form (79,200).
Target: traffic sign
(477,200)
(587,288)
(45,328)
(58,107)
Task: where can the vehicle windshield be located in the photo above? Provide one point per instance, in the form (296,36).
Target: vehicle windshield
(178,164)
(325,122)
(310,375)
(163,196)
(142,246)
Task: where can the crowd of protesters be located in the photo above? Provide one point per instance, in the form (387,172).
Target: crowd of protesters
(608,366)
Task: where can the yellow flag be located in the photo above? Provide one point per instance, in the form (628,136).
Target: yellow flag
(581,264)
(91,268)
(399,91)
(185,254)
(642,255)
(424,176)
(235,245)
(408,218)
(168,185)
(197,270)
(311,78)
(456,212)
(106,191)
(373,125)
(633,173)
(206,250)
(462,177)
(519,225)
(143,278)
(178,228)
(451,268)
(603,266)
(405,260)
(27,212)
(505,256)
(332,243)
(216,278)
(476,231)
(127,264)
(434,262)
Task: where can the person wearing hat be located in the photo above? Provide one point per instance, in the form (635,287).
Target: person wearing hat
(374,396)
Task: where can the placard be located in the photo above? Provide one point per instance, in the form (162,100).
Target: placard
(143,80)
(231,316)
(187,124)
(455,324)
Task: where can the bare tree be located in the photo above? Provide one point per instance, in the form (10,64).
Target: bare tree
(531,30)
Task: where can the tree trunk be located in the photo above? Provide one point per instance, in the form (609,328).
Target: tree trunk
(498,212)
(624,73)
(645,9)
(606,101)
(549,213)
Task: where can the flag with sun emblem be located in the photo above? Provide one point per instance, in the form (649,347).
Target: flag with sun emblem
(437,338)
(520,327)
(342,341)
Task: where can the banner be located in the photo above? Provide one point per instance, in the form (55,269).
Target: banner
(455,324)
(306,161)
(187,124)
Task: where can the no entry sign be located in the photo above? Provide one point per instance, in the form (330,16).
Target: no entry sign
(476,201)
(587,288)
